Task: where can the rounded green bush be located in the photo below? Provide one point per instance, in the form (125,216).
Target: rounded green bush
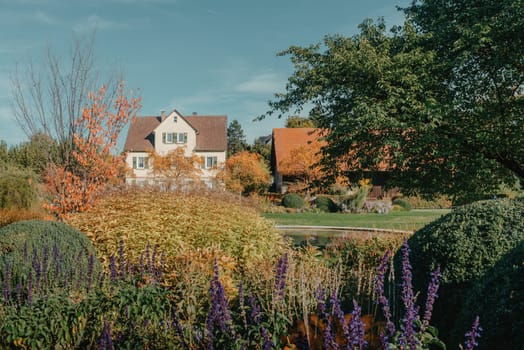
(404,204)
(52,254)
(498,299)
(326,204)
(293,200)
(465,244)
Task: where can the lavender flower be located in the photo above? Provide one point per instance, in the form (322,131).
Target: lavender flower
(268,344)
(357,328)
(379,290)
(280,276)
(255,315)
(329,336)
(112,268)
(149,265)
(219,310)
(472,335)
(106,341)
(178,328)
(339,314)
(36,267)
(430,300)
(408,322)
(30,288)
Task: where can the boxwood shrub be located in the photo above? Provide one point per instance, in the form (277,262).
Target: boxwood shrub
(465,244)
(293,200)
(498,299)
(326,204)
(52,254)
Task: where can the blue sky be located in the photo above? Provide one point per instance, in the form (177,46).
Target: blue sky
(209,57)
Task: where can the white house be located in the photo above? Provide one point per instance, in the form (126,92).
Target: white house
(205,136)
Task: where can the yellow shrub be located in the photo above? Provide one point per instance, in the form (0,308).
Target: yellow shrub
(191,229)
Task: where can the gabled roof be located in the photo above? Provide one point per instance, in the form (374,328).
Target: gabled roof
(287,139)
(211,133)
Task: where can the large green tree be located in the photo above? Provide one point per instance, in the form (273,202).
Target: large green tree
(236,140)
(433,98)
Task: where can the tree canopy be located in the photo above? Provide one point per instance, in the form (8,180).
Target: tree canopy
(439,99)
(236,140)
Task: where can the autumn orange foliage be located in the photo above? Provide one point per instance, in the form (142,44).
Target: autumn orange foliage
(175,168)
(76,186)
(302,163)
(245,172)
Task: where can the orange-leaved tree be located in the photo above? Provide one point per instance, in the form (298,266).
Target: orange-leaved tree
(75,186)
(302,163)
(245,172)
(176,168)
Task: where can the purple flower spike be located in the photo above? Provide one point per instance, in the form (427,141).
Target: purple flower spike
(6,283)
(280,276)
(472,335)
(432,296)
(219,309)
(268,344)
(407,338)
(112,267)
(339,314)
(379,290)
(106,341)
(254,316)
(357,328)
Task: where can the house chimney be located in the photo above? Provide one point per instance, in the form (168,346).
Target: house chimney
(195,113)
(162,115)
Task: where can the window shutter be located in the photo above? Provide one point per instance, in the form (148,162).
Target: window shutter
(163,137)
(146,163)
(134,162)
(203,164)
(185,137)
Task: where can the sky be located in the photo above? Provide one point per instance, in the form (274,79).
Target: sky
(210,57)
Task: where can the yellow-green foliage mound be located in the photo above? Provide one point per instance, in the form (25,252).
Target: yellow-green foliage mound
(188,227)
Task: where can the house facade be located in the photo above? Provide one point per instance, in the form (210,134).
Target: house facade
(202,135)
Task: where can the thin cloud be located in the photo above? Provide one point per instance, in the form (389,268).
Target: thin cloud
(264,83)
(44,18)
(95,22)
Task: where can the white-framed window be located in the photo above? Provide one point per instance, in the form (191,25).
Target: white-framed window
(173,137)
(209,162)
(140,163)
(175,118)
(182,137)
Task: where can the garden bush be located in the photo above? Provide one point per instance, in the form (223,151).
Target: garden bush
(50,254)
(17,188)
(326,204)
(402,203)
(293,200)
(498,299)
(465,244)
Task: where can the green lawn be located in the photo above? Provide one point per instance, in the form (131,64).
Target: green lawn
(399,220)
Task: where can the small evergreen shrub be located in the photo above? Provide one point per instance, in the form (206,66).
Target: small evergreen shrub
(402,203)
(51,254)
(17,188)
(465,244)
(498,299)
(326,204)
(293,200)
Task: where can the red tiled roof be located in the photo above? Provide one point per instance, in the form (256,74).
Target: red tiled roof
(287,139)
(139,136)
(211,133)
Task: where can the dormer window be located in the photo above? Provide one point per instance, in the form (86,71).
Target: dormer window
(173,137)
